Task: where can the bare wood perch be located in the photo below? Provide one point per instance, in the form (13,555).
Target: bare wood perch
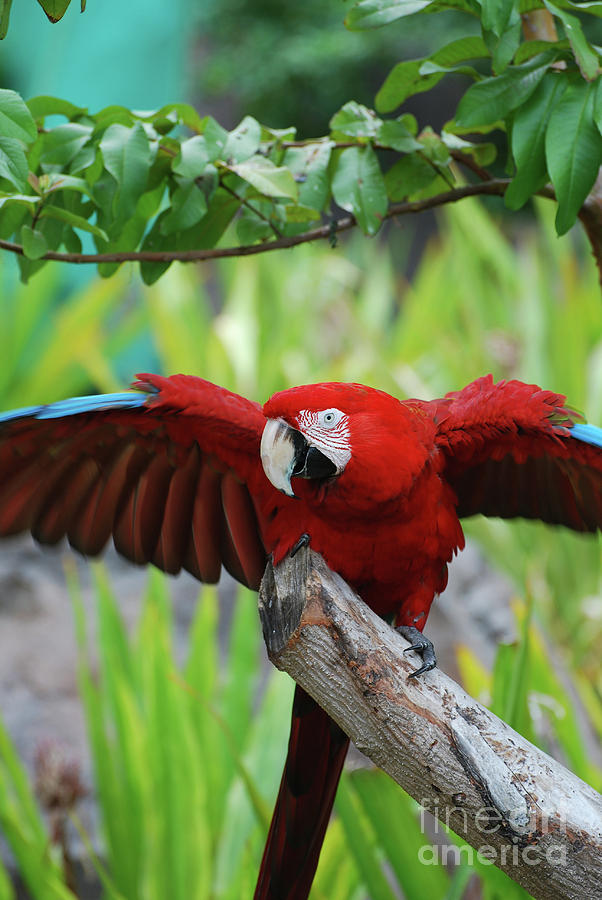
(519,807)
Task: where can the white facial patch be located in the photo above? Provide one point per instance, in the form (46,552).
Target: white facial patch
(328,430)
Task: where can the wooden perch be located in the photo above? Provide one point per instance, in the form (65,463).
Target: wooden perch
(519,807)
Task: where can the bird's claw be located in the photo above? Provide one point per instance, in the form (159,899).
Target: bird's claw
(302,542)
(421,645)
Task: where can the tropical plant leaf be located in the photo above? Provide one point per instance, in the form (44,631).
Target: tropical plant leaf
(573,151)
(127,155)
(494,98)
(358,186)
(375,13)
(528,138)
(268,179)
(13,163)
(356,120)
(585,55)
(5,6)
(243,142)
(16,121)
(54,9)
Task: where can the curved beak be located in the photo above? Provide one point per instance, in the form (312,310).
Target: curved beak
(286,453)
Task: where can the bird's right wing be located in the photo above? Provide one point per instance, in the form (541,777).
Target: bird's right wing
(172,472)
(512,449)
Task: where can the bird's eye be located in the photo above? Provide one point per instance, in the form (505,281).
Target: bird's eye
(328,418)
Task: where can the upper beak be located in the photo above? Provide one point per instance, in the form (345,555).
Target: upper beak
(286,453)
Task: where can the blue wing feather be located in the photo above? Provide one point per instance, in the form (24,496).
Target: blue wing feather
(75,405)
(590,434)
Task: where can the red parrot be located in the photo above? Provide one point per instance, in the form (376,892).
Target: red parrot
(184,474)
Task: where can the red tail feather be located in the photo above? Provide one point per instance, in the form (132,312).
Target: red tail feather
(316,753)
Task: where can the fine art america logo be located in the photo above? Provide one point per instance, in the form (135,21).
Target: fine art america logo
(515,848)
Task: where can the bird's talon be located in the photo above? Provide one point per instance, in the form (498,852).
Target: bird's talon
(302,542)
(420,644)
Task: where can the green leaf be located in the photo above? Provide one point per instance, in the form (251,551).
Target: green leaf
(127,155)
(187,207)
(400,833)
(394,134)
(192,158)
(429,67)
(403,81)
(215,137)
(434,148)
(243,142)
(268,179)
(586,57)
(374,13)
(16,120)
(54,9)
(496,15)
(33,242)
(529,49)
(13,163)
(114,115)
(203,235)
(361,843)
(12,216)
(251,228)
(484,153)
(594,8)
(21,199)
(493,98)
(356,120)
(408,176)
(309,167)
(298,212)
(44,105)
(358,186)
(71,240)
(65,215)
(459,51)
(506,46)
(278,135)
(573,151)
(528,139)
(179,112)
(5,6)
(61,144)
(59,182)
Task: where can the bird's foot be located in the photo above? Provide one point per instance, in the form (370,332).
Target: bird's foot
(421,645)
(302,542)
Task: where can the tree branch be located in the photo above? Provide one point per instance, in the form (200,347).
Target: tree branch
(495,187)
(499,793)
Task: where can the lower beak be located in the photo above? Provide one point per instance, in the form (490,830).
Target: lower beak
(286,454)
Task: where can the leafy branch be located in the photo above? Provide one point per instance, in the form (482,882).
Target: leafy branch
(494,187)
(172,185)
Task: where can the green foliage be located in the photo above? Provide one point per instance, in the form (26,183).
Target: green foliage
(23,828)
(50,350)
(180,752)
(171,181)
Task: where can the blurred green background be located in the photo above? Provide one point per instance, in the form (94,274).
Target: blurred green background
(186,757)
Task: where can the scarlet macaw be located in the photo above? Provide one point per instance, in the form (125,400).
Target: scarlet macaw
(184,474)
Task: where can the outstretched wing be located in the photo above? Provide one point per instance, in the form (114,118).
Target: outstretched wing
(171,472)
(512,449)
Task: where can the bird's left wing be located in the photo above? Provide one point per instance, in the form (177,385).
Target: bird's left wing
(171,471)
(512,449)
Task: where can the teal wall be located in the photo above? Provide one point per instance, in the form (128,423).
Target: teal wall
(131,52)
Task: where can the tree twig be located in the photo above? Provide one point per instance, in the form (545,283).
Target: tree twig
(519,807)
(494,187)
